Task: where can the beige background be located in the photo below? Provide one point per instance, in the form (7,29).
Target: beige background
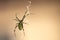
(43,24)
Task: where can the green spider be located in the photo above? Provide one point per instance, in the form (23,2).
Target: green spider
(20,23)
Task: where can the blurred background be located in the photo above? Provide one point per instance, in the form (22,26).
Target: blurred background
(44,24)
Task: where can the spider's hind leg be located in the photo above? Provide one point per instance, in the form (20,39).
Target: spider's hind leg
(23,32)
(15,30)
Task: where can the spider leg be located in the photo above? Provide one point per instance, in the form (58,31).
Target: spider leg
(23,32)
(15,19)
(28,14)
(15,30)
(25,23)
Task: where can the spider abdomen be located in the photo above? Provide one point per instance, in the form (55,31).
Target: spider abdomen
(20,26)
